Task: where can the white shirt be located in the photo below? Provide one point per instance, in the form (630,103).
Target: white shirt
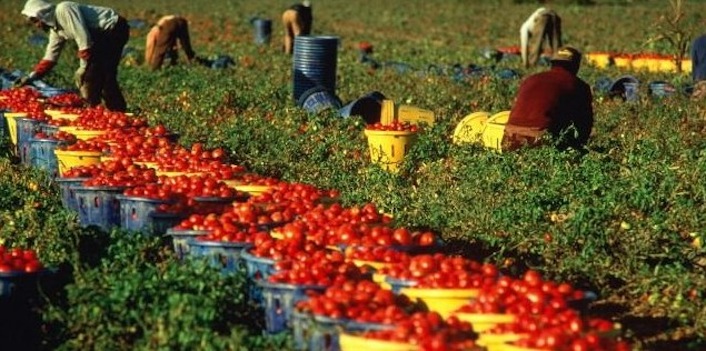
(70,21)
(526,31)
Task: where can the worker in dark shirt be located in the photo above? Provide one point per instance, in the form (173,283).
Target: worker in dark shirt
(297,21)
(555,102)
(698,66)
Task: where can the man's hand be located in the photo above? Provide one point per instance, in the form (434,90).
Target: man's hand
(21,81)
(78,77)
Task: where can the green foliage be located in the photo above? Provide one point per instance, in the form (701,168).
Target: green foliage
(671,29)
(138,298)
(621,220)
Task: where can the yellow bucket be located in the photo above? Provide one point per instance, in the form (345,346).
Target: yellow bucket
(491,340)
(494,130)
(622,61)
(88,134)
(640,64)
(176,173)
(53,113)
(485,321)
(106,158)
(350,342)
(12,124)
(82,134)
(509,347)
(387,148)
(598,59)
(68,116)
(373,264)
(275,234)
(69,159)
(147,164)
(470,129)
(686,66)
(252,189)
(443,301)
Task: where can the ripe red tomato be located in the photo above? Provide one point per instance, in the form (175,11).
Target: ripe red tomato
(402,236)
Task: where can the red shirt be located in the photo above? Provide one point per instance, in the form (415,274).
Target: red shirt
(551,101)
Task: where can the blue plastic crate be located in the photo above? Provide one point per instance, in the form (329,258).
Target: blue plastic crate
(220,254)
(98,205)
(18,284)
(181,240)
(26,128)
(257,268)
(208,205)
(161,221)
(316,332)
(398,284)
(41,155)
(135,212)
(312,332)
(279,301)
(68,196)
(4,135)
(48,129)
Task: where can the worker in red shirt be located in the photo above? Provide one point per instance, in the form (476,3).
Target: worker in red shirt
(297,21)
(556,102)
(100,35)
(162,40)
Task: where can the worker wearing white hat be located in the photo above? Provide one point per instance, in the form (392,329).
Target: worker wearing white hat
(544,25)
(100,35)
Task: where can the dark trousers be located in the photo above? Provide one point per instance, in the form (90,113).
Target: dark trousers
(101,77)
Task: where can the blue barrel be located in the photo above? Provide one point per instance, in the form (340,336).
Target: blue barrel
(625,87)
(602,85)
(319,99)
(42,156)
(631,91)
(314,63)
(263,30)
(369,107)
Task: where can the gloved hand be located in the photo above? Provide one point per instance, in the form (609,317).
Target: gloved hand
(79,76)
(21,81)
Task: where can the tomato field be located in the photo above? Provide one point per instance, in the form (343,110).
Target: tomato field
(623,221)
